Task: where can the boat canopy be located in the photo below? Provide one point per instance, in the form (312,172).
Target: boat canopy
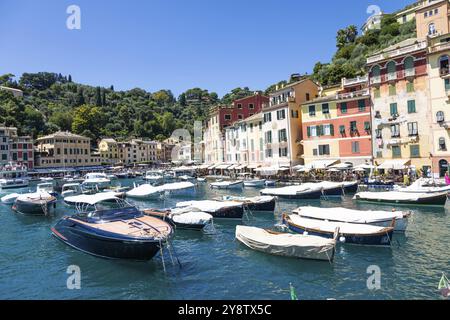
(395,164)
(92,199)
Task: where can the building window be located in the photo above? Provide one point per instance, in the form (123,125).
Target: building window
(251,106)
(268,153)
(315,152)
(376,93)
(396,152)
(367,126)
(312,131)
(268,137)
(328,130)
(342,130)
(447,84)
(410,86)
(444,65)
(267,117)
(312,111)
(394,110)
(282,136)
(378,134)
(415,151)
(392,70)
(294,114)
(239,106)
(442,144)
(412,106)
(392,90)
(324,150)
(413,129)
(281,114)
(432,29)
(308,97)
(240,116)
(344,107)
(282,152)
(355,147)
(361,105)
(228,117)
(395,131)
(325,108)
(353,127)
(440,117)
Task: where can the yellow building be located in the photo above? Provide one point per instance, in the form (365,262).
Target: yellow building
(64,149)
(109,152)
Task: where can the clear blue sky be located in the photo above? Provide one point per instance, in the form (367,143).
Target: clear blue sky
(176,44)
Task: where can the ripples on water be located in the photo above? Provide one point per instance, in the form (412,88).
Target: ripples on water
(214,266)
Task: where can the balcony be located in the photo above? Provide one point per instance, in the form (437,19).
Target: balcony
(392,76)
(354,94)
(291,99)
(355,81)
(376,80)
(397,52)
(438,47)
(444,72)
(410,73)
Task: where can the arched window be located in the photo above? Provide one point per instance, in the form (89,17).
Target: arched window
(440,117)
(442,146)
(392,70)
(409,66)
(376,74)
(444,65)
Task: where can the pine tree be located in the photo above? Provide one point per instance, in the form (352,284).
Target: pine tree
(70,78)
(80,97)
(98,97)
(104,97)
(111,88)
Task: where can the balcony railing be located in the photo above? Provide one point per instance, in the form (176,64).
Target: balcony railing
(354,94)
(439,47)
(392,76)
(410,72)
(376,80)
(397,52)
(354,81)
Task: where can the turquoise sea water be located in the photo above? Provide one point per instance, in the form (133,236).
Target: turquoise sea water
(33,264)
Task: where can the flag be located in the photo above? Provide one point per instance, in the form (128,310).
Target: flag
(293,294)
(444,286)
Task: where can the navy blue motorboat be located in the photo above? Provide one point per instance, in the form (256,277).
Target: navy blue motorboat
(113,230)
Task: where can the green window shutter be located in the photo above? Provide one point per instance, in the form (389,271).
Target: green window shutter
(342,129)
(361,105)
(394,110)
(308,131)
(321,130)
(331,130)
(392,90)
(411,106)
(367,126)
(410,86)
(344,107)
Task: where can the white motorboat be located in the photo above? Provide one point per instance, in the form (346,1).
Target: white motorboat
(10,198)
(286,244)
(261,203)
(71,189)
(96,181)
(295,192)
(13,183)
(425,186)
(218,209)
(201,180)
(46,187)
(254,183)
(178,189)
(37,203)
(377,218)
(227,185)
(154,177)
(396,197)
(13,176)
(90,199)
(145,192)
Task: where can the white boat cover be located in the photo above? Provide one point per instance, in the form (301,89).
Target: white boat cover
(258,199)
(10,198)
(208,205)
(290,190)
(175,186)
(286,244)
(324,185)
(226,183)
(348,215)
(144,190)
(193,217)
(92,199)
(330,227)
(42,195)
(425,186)
(393,196)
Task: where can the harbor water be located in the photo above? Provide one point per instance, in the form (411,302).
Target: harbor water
(33,264)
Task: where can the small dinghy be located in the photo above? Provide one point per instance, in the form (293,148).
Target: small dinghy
(181,218)
(361,234)
(218,209)
(115,230)
(255,183)
(227,185)
(145,192)
(36,204)
(10,198)
(294,192)
(178,189)
(376,218)
(262,203)
(395,197)
(286,244)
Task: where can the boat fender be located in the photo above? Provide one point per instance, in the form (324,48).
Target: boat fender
(342,239)
(305,233)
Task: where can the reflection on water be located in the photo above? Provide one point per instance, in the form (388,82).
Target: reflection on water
(33,264)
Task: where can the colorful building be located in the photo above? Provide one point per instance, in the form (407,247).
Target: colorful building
(400,110)
(282,123)
(336,126)
(16,149)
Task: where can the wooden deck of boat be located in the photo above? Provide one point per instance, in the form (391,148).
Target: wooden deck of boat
(141,227)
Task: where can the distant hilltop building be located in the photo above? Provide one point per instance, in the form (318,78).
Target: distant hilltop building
(373,22)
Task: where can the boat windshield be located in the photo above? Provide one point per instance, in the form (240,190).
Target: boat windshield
(111,209)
